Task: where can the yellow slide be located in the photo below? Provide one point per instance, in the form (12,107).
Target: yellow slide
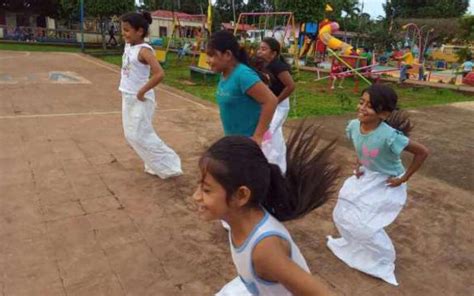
(331,41)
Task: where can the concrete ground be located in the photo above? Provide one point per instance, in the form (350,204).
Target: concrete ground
(79,217)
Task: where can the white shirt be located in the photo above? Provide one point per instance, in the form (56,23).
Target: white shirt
(242,257)
(134,74)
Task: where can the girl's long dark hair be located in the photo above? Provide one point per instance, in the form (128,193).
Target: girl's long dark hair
(236,161)
(384,98)
(276,47)
(226,41)
(138,20)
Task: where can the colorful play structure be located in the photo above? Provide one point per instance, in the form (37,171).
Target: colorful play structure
(310,39)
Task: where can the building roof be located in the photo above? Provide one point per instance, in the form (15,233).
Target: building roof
(168,14)
(242,27)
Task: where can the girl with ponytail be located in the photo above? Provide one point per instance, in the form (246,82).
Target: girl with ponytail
(138,98)
(239,185)
(246,104)
(373,197)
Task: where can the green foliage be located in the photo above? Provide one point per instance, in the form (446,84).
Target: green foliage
(41,7)
(429,8)
(464,54)
(466,26)
(106,8)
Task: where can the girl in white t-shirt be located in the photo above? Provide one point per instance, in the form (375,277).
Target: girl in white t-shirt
(239,185)
(138,98)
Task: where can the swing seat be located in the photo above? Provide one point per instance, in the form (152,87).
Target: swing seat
(160,55)
(202,72)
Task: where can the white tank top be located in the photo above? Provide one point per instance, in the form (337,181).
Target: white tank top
(135,74)
(242,257)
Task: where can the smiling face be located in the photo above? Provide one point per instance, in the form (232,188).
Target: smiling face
(211,199)
(130,34)
(365,113)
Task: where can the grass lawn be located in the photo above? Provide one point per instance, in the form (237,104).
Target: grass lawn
(38,47)
(309,99)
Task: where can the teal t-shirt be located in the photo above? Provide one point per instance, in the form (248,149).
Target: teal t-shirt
(239,112)
(380,149)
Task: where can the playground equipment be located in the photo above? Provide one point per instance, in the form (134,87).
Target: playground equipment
(469,79)
(269,24)
(201,70)
(307,39)
(332,42)
(182,36)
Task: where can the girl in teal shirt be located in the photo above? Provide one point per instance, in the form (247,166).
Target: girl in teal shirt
(373,197)
(246,104)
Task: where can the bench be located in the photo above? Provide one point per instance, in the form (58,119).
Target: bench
(200,74)
(202,71)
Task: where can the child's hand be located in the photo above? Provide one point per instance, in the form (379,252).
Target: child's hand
(395,182)
(141,96)
(357,172)
(258,139)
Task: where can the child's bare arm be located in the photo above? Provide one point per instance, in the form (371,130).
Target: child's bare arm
(263,95)
(420,153)
(272,262)
(157,74)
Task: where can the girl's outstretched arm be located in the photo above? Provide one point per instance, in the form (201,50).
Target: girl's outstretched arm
(420,153)
(157,74)
(272,262)
(262,94)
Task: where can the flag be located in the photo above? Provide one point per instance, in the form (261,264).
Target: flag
(209,17)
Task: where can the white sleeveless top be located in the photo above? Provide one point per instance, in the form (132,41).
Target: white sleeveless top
(242,257)
(135,74)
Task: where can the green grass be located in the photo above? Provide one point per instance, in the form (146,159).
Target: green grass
(37,47)
(309,99)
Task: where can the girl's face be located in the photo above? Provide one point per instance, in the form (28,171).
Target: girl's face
(219,61)
(365,112)
(130,35)
(211,199)
(265,52)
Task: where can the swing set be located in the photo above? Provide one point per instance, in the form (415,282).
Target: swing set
(182,43)
(279,25)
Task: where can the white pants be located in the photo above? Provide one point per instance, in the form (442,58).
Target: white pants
(365,206)
(275,148)
(137,119)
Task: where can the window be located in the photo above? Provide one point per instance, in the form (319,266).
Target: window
(163,32)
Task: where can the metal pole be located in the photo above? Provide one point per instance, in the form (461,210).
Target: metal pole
(82,24)
(349,66)
(233,9)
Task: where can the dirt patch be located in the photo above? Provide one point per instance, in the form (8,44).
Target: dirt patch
(79,216)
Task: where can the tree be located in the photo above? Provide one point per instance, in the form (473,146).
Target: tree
(225,9)
(429,8)
(41,7)
(466,31)
(104,9)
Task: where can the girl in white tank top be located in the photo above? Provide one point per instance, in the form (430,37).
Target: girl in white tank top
(239,186)
(138,98)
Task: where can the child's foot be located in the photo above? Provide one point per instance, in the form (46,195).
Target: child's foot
(332,87)
(148,170)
